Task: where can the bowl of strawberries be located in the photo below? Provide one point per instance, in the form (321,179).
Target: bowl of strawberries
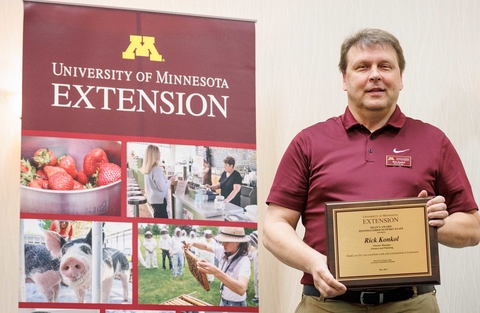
(70,176)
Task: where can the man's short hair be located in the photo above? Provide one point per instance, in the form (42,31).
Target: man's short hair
(369,37)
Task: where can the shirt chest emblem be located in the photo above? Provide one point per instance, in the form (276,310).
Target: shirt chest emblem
(397,160)
(400,151)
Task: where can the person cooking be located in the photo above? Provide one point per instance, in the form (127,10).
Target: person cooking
(230,182)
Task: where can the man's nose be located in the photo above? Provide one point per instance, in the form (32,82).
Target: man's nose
(375,74)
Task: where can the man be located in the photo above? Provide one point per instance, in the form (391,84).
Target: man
(207,255)
(344,159)
(178,254)
(150,245)
(165,244)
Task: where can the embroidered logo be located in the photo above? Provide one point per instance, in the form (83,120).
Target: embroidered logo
(400,151)
(397,160)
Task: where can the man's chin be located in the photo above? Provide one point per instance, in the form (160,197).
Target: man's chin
(378,106)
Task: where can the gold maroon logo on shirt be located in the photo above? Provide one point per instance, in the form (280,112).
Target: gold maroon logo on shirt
(395,160)
(142,46)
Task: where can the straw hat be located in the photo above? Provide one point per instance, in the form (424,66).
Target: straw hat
(232,234)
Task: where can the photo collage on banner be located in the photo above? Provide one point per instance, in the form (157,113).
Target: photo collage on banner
(138,169)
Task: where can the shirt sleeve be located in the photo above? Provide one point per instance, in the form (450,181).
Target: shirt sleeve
(290,185)
(452,181)
(237,179)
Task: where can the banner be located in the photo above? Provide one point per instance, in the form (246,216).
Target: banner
(138,161)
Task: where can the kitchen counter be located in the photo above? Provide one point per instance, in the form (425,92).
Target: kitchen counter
(186,208)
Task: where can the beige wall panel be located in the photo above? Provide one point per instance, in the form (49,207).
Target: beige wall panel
(11,21)
(298,84)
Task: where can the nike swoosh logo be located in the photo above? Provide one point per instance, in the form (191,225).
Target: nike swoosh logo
(400,151)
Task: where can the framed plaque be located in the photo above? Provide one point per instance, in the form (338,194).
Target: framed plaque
(382,243)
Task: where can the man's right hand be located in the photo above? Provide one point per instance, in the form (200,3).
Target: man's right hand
(324,281)
(280,238)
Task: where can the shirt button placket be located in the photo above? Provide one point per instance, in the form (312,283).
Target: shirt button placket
(369,154)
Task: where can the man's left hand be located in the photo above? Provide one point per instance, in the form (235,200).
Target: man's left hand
(436,209)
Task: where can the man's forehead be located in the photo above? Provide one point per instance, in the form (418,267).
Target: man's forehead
(371,49)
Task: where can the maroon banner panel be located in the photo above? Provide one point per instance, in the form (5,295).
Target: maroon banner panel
(118,72)
(138,144)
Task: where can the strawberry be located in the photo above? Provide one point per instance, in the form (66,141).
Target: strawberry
(42,178)
(108,173)
(82,178)
(43,183)
(68,164)
(38,182)
(43,157)
(50,170)
(27,172)
(34,184)
(25,167)
(77,185)
(93,160)
(42,174)
(60,180)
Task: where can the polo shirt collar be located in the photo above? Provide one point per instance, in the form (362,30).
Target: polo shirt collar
(396,120)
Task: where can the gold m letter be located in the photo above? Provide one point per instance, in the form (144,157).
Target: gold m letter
(145,49)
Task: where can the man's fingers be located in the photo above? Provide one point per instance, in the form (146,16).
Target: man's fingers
(423,194)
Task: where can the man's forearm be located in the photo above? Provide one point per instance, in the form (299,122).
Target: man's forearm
(461,229)
(281,239)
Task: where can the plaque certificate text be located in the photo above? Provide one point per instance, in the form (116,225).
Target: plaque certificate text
(382,243)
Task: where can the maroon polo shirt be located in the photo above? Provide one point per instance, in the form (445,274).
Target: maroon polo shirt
(341,160)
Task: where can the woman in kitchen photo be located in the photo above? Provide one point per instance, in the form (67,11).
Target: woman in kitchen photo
(230,182)
(156,182)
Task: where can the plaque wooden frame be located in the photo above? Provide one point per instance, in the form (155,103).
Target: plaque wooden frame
(336,211)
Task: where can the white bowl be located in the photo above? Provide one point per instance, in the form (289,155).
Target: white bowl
(103,200)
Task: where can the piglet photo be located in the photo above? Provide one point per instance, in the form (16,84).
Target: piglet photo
(76,265)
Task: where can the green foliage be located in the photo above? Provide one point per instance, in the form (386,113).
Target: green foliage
(155,229)
(45,224)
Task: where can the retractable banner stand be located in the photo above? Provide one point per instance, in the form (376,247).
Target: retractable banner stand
(101,87)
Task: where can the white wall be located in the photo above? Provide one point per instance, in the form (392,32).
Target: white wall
(298,84)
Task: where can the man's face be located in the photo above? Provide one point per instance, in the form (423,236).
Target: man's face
(373,79)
